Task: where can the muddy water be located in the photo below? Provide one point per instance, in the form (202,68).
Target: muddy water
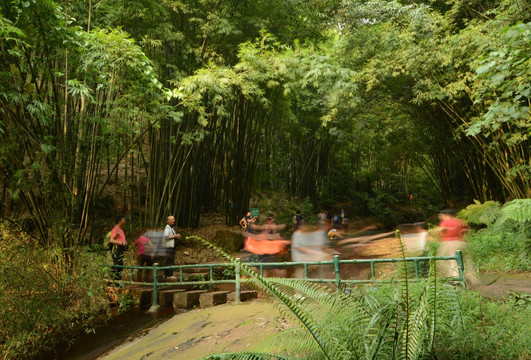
(121,328)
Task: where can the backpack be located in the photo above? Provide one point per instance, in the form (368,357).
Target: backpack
(107,241)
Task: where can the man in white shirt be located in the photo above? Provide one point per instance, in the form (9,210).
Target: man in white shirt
(169,241)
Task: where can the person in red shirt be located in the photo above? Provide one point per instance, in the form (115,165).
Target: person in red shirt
(118,242)
(452,231)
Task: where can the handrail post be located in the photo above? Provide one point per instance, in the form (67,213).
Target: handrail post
(337,270)
(460,266)
(155,306)
(237,276)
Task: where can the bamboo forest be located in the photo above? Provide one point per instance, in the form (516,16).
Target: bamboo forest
(304,172)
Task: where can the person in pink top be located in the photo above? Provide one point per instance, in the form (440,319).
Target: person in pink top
(118,242)
(144,254)
(452,231)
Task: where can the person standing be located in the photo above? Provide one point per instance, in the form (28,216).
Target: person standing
(170,235)
(247,221)
(452,231)
(118,242)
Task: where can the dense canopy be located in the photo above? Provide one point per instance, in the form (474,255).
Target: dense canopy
(157,107)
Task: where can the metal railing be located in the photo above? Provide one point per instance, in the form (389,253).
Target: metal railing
(336,262)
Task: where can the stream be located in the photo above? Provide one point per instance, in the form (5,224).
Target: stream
(120,328)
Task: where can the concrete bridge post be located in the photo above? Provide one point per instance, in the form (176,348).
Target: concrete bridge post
(155,305)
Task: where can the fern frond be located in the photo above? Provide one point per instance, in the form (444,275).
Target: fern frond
(246,355)
(381,323)
(291,341)
(518,210)
(416,330)
(432,301)
(345,317)
(322,299)
(405,301)
(481,214)
(294,308)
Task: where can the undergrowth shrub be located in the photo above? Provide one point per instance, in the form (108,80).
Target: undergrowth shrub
(500,236)
(46,294)
(485,329)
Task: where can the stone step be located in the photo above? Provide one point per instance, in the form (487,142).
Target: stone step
(245,295)
(213,298)
(166,296)
(186,299)
(142,296)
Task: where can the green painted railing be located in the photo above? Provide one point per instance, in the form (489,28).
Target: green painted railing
(336,262)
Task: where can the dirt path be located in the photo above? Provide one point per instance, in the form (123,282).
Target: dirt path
(500,285)
(201,332)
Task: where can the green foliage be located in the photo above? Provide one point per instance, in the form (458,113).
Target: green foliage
(518,210)
(358,103)
(439,68)
(408,321)
(519,300)
(481,214)
(337,325)
(502,84)
(48,295)
(68,96)
(125,302)
(284,209)
(228,240)
(421,98)
(505,244)
(486,330)
(246,356)
(228,272)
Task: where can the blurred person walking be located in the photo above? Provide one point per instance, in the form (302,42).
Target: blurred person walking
(322,220)
(452,231)
(297,220)
(158,250)
(311,244)
(144,255)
